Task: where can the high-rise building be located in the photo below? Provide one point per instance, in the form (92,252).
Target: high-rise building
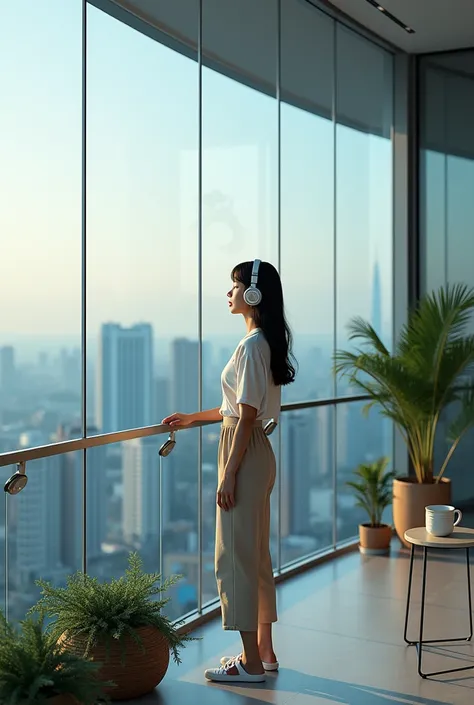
(125,377)
(296,474)
(70,368)
(37,522)
(162,399)
(7,369)
(72,490)
(184,389)
(141,497)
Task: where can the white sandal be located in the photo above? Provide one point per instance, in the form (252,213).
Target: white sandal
(267,666)
(233,672)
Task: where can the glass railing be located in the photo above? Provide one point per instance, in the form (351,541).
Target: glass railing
(91,501)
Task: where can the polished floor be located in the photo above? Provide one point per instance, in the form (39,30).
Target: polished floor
(340,640)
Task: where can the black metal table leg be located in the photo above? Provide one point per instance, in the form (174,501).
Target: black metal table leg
(420,643)
(469,598)
(410,578)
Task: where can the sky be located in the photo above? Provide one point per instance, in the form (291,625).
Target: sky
(142,188)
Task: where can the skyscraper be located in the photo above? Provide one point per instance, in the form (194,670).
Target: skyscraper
(161,406)
(72,503)
(296,475)
(7,369)
(184,390)
(125,377)
(141,498)
(38,520)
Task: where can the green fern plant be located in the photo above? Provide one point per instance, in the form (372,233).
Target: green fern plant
(100,612)
(429,371)
(373,489)
(33,668)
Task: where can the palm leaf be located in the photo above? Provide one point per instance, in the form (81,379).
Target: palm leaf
(413,386)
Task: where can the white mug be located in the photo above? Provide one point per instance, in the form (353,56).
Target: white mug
(440,519)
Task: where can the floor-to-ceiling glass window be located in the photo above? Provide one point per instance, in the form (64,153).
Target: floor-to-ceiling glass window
(307,267)
(363,240)
(40,280)
(446,205)
(239,190)
(142,294)
(147,148)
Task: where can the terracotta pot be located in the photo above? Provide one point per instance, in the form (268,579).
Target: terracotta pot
(63,700)
(144,665)
(410,499)
(374,540)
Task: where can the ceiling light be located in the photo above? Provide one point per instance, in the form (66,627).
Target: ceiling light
(390,16)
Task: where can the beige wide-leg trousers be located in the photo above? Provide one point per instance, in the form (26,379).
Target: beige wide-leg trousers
(243,563)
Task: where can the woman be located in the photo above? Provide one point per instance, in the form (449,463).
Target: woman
(251,388)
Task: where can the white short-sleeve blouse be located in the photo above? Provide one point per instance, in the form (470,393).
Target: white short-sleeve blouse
(247,379)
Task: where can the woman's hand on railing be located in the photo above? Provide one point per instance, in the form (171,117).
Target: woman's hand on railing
(178,420)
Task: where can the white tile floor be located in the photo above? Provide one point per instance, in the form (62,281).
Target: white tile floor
(340,640)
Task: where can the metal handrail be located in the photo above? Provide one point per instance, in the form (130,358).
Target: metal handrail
(72,445)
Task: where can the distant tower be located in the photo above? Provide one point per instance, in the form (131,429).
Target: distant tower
(184,389)
(7,369)
(376,319)
(125,377)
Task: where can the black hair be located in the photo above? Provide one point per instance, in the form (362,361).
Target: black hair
(269,315)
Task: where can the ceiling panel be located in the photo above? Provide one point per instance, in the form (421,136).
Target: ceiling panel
(440,25)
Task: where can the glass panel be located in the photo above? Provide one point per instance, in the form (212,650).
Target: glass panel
(239,197)
(210,444)
(142,213)
(364,189)
(307,503)
(40,214)
(307,197)
(447,215)
(138,501)
(5,473)
(275,440)
(359,440)
(433,220)
(44,528)
(239,172)
(179,482)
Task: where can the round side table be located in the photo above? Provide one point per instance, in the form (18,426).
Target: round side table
(460,539)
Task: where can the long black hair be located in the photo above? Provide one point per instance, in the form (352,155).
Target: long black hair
(269,315)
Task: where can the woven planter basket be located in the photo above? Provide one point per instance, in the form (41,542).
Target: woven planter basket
(144,665)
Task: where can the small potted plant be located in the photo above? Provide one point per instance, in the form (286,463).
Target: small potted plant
(373,491)
(119,624)
(35,670)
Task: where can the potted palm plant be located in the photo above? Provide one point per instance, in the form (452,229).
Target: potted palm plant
(373,491)
(34,670)
(119,624)
(414,386)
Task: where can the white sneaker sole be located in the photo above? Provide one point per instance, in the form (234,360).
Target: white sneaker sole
(239,675)
(267,666)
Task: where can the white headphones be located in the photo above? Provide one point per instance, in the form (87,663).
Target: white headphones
(253,295)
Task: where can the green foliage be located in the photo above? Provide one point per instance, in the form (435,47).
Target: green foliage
(100,612)
(373,489)
(429,371)
(33,668)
